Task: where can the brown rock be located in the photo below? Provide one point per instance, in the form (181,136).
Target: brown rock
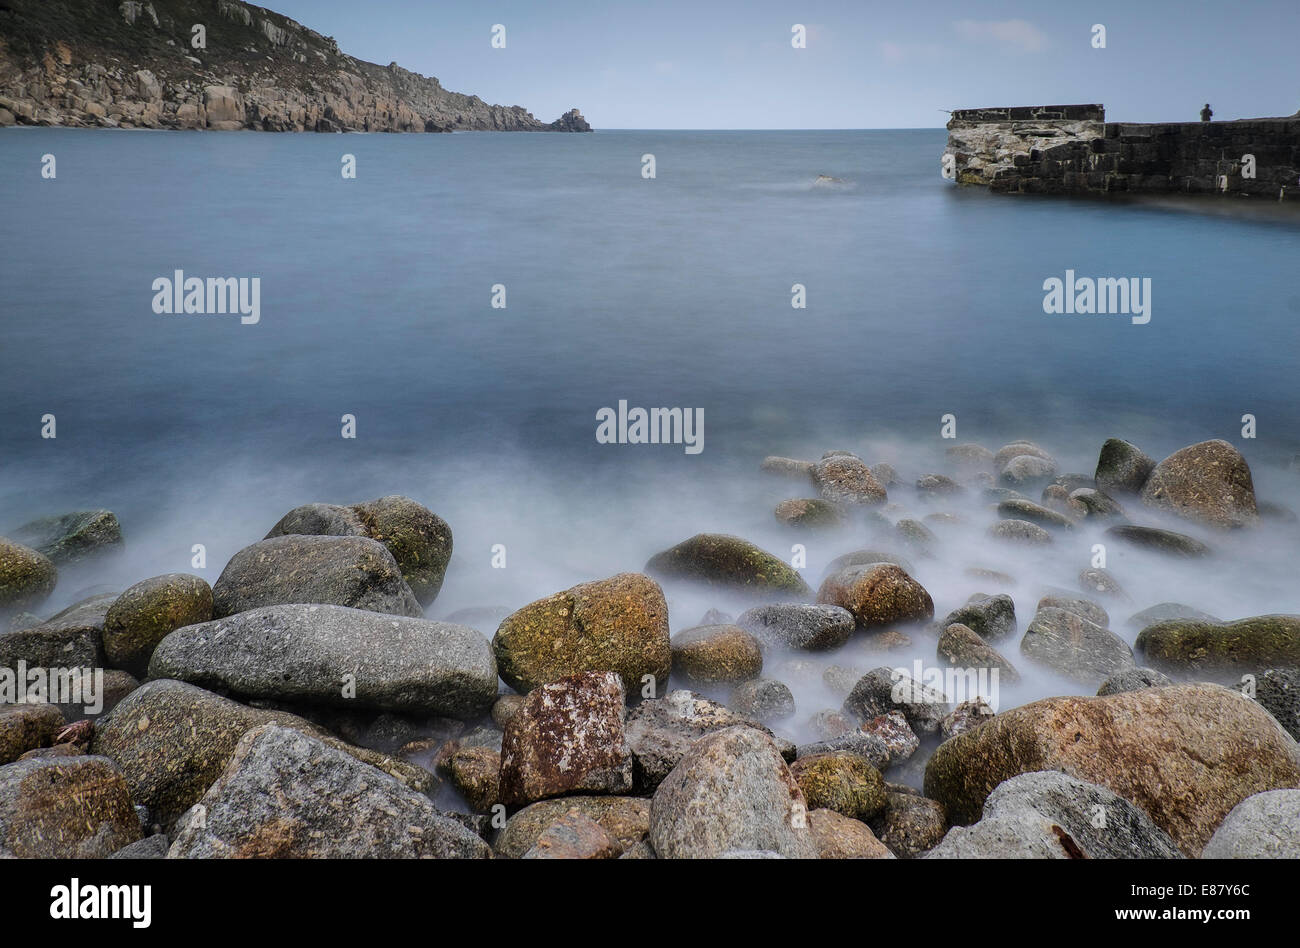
(840,837)
(717,653)
(1209,483)
(877,594)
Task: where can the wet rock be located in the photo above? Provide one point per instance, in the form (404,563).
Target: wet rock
(828,723)
(65,808)
(574,836)
(1254,644)
(840,781)
(330,655)
(26,577)
(1278,692)
(505,708)
(172,740)
(937,485)
(1169,610)
(1208,483)
(717,653)
(870,747)
(285,794)
(474,772)
(1122,468)
(27,726)
(568,738)
(1161,541)
(1009,452)
(841,837)
(1186,754)
(843,479)
(993,618)
(1103,582)
(763,699)
(802,626)
(1020,532)
(1263,826)
(1020,510)
(968,459)
(343,571)
(151,847)
(1084,608)
(900,740)
(732,791)
(839,680)
(910,824)
(1049,815)
(70,639)
(991,575)
(1075,647)
(808,513)
(967,715)
(916,535)
(885,474)
(866,558)
(877,595)
(1027,470)
(618,624)
(144,615)
(787,467)
(71,537)
(661,731)
(729,563)
(883,690)
(1094,503)
(625,819)
(1132,679)
(1056,497)
(962,646)
(420,540)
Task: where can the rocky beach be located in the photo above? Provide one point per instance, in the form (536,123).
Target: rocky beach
(974,657)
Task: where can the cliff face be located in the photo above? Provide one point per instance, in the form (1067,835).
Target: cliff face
(132,64)
(1074,150)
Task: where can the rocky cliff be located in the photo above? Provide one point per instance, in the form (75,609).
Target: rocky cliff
(137,64)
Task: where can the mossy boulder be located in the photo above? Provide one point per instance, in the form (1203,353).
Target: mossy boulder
(1191,646)
(419,539)
(841,781)
(27,577)
(618,624)
(730,563)
(148,611)
(71,537)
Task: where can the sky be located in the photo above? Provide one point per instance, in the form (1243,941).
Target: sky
(726,64)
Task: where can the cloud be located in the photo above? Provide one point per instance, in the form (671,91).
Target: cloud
(1019,34)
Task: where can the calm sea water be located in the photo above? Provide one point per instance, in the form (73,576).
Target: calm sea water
(922,299)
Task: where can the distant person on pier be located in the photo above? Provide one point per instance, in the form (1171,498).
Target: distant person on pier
(1207,113)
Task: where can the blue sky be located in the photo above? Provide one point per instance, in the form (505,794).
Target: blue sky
(682,64)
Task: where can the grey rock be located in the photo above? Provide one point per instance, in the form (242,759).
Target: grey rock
(1075,647)
(1133,679)
(661,731)
(1163,611)
(1103,581)
(1161,541)
(1084,608)
(1122,467)
(1034,513)
(331,655)
(811,627)
(1263,826)
(1095,503)
(1025,470)
(763,699)
(151,847)
(882,690)
(285,794)
(1278,690)
(992,617)
(1020,531)
(72,638)
(343,571)
(732,791)
(1049,815)
(27,577)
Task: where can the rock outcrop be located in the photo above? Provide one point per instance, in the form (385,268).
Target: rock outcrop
(135,65)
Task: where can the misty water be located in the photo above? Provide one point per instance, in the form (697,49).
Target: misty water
(922,300)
